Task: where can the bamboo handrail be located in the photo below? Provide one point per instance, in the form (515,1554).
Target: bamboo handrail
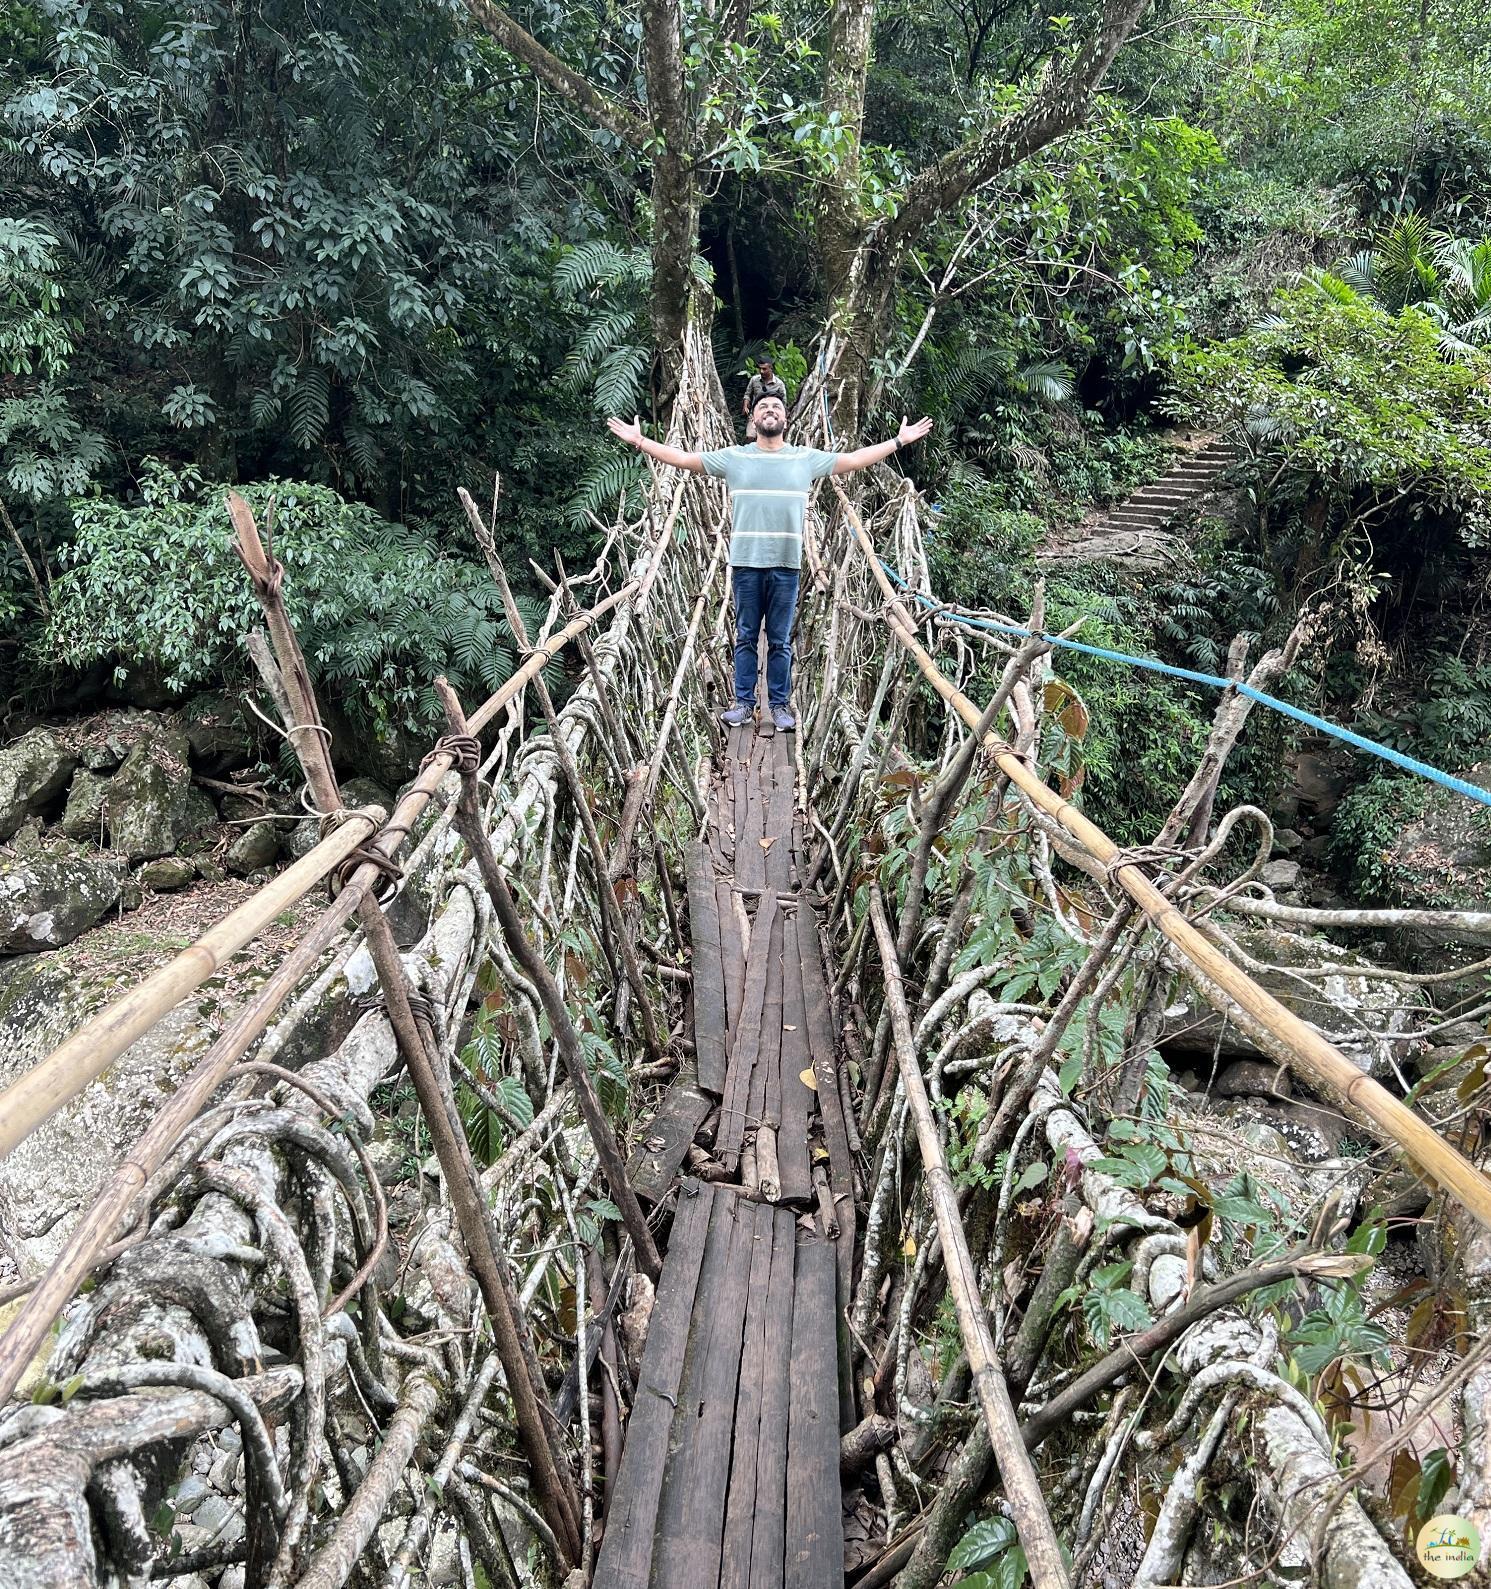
(1222,982)
(93,1231)
(63,1074)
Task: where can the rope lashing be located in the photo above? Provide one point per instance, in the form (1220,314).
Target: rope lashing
(1347,736)
(366,853)
(464,751)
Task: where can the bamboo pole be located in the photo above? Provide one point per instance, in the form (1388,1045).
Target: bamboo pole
(1022,1488)
(63,1074)
(90,1236)
(1223,983)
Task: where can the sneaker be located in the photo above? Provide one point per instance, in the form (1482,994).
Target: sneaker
(784,720)
(737,715)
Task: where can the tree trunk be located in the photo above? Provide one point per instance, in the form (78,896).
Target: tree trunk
(675,188)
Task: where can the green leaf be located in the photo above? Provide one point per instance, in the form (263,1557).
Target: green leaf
(1035,1173)
(981,1544)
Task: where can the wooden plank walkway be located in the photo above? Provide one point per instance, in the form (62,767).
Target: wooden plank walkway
(729,1476)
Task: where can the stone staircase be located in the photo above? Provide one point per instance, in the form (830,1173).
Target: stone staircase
(1139,530)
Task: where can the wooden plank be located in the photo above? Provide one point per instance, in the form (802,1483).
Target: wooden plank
(770,1527)
(778,828)
(746,1040)
(750,821)
(708,970)
(822,1041)
(823,1044)
(732,953)
(766,1083)
(814,1554)
(691,1518)
(664,1142)
(740,1503)
(625,1560)
(797,1097)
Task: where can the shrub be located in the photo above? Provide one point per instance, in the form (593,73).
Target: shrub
(380,608)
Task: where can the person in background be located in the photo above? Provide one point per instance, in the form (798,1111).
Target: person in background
(764,383)
(769,484)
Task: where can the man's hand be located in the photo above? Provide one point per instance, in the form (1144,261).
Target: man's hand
(909,433)
(631,434)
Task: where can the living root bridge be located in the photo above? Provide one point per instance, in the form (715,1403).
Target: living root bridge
(256,1226)
(1229,989)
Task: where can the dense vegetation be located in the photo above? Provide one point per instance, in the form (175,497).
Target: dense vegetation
(381,251)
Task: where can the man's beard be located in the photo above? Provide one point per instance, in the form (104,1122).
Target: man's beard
(769,425)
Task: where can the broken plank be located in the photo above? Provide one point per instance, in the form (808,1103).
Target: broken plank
(664,1143)
(691,1516)
(766,1084)
(814,1554)
(626,1551)
(732,954)
(823,1046)
(708,969)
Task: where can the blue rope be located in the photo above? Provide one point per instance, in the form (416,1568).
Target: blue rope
(1214,681)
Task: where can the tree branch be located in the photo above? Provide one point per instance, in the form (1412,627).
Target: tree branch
(571,85)
(1060,104)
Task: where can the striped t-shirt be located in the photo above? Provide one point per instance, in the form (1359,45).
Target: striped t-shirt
(768,497)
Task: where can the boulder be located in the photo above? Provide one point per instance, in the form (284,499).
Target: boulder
(215,730)
(1280,875)
(168,873)
(1287,841)
(365,792)
(33,773)
(302,838)
(104,740)
(1343,1002)
(1443,857)
(47,900)
(83,817)
(1252,1077)
(254,847)
(153,805)
(241,808)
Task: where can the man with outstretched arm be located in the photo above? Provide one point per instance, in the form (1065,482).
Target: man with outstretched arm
(769,484)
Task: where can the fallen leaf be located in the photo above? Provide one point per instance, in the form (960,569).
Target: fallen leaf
(766,844)
(909,1246)
(789,1028)
(808,1079)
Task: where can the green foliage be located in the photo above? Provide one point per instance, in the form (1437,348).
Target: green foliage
(1352,407)
(1109,1306)
(1366,825)
(990,1555)
(380,608)
(1417,266)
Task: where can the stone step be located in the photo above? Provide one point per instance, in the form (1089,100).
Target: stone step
(1147,521)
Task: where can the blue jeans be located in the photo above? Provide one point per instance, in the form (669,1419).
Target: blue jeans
(769,596)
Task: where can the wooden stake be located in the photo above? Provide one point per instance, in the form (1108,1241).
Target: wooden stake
(613,1166)
(545,1453)
(1022,1488)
